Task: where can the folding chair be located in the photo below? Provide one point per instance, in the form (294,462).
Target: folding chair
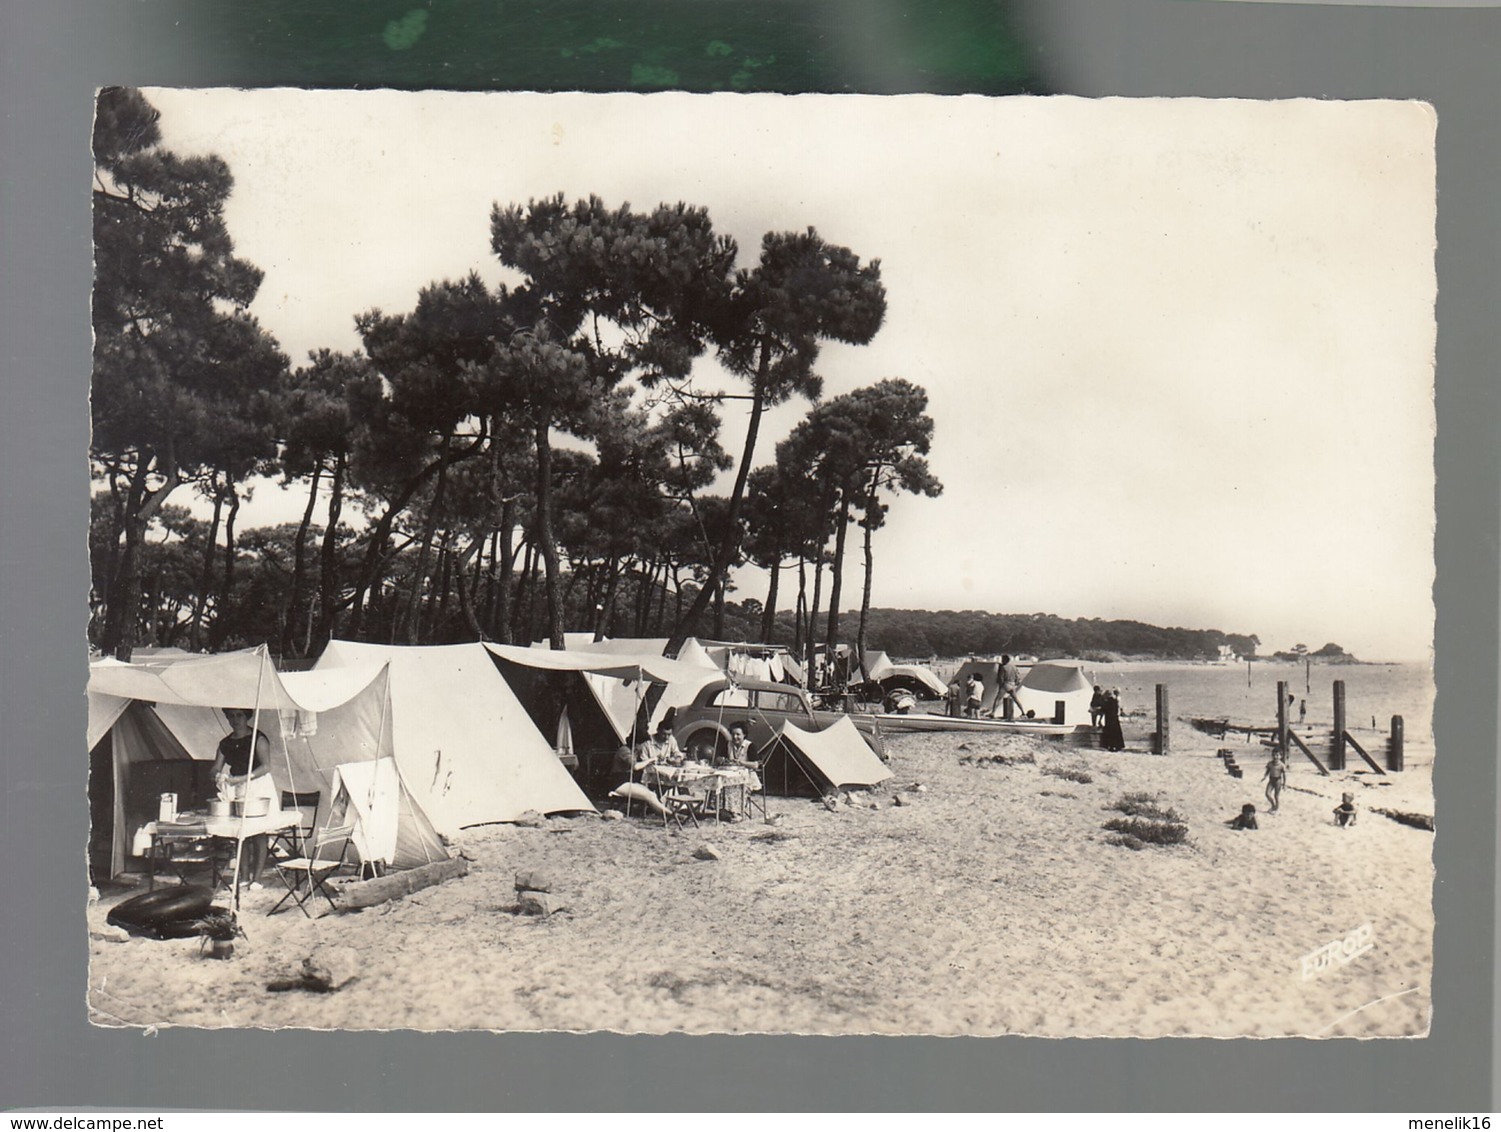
(178,855)
(755,799)
(306,876)
(290,843)
(678,803)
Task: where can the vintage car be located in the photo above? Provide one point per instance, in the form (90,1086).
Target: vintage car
(702,728)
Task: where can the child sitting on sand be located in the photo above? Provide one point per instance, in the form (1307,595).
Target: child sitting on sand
(1246,819)
(1344,813)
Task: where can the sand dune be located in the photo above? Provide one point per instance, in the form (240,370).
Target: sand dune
(994,903)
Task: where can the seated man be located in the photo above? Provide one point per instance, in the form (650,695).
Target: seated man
(661,748)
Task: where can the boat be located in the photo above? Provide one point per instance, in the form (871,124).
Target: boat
(896,723)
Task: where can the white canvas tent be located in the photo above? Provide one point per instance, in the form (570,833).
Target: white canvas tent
(879,668)
(629,672)
(464,744)
(1049,682)
(163,723)
(388,824)
(799,761)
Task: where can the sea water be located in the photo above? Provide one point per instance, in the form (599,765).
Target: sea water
(1247,694)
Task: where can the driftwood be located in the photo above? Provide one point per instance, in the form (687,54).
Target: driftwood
(365,894)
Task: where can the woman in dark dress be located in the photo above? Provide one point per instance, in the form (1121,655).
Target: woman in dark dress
(242,773)
(1111,738)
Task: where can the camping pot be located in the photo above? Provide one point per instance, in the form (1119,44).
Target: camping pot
(167,808)
(218,808)
(255,808)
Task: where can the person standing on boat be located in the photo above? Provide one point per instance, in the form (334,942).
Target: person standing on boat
(974,696)
(1097,706)
(1010,681)
(1111,737)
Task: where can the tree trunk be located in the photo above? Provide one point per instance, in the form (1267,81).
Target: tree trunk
(865,594)
(219,631)
(548,546)
(507,565)
(522,608)
(328,580)
(836,580)
(381,531)
(813,612)
(141,506)
(299,565)
(206,575)
(769,614)
(466,606)
(730,545)
(419,572)
(800,614)
(719,608)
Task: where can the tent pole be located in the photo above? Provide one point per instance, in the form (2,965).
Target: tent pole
(255,726)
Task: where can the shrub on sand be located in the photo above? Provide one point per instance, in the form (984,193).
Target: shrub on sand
(1145,806)
(1147,831)
(1069,774)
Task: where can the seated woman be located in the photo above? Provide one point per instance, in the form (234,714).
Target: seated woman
(740,752)
(242,773)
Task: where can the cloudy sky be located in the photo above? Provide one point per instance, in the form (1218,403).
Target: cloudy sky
(1179,353)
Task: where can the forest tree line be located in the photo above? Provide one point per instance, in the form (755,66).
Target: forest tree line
(495,463)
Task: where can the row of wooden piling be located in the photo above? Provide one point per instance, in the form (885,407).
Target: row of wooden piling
(1339,743)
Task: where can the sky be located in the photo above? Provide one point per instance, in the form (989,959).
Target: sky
(1179,353)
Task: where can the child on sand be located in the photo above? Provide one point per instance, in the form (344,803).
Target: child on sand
(1344,813)
(1275,778)
(1246,819)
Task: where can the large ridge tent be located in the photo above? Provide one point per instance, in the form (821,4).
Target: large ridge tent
(464,743)
(803,762)
(155,726)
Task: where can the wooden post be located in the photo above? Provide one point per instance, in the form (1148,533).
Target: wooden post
(1282,717)
(1394,747)
(1161,746)
(1337,744)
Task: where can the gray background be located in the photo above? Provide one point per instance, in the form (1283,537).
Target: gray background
(54,52)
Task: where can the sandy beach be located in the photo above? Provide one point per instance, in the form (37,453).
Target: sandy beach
(991,902)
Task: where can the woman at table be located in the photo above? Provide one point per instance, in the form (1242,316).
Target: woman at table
(242,773)
(740,752)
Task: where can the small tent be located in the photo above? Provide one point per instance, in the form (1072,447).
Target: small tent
(154,727)
(464,744)
(816,762)
(911,677)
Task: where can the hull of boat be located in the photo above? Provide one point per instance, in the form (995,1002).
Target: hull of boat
(892,724)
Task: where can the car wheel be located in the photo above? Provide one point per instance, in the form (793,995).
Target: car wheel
(704,746)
